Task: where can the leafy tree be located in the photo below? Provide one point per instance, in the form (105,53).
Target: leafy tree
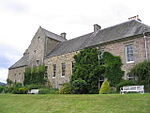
(141,71)
(87,68)
(105,87)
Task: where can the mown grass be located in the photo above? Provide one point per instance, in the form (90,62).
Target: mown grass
(55,103)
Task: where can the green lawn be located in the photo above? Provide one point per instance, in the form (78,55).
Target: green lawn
(104,103)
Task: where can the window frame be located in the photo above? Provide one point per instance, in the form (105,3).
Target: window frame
(63,69)
(127,54)
(54,71)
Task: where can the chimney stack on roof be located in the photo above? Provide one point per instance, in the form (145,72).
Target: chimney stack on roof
(96,27)
(63,35)
(135,18)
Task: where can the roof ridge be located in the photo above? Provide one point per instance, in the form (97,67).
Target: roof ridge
(49,31)
(121,24)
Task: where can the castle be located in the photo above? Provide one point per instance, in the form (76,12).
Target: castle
(129,40)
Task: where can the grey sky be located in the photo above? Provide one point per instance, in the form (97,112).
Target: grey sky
(21,18)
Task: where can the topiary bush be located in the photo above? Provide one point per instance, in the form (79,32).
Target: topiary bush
(65,89)
(124,83)
(104,88)
(79,87)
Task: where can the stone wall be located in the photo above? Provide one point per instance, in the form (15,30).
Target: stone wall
(58,80)
(17,74)
(36,49)
(116,48)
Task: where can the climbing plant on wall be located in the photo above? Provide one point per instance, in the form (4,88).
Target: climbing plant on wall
(35,75)
(113,71)
(89,67)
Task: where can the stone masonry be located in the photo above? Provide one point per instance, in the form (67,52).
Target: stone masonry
(50,49)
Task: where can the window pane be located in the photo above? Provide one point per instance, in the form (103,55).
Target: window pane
(129,53)
(54,70)
(63,69)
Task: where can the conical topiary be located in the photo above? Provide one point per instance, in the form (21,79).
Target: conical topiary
(105,87)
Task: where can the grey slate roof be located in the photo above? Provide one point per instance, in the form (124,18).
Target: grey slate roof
(70,45)
(20,63)
(120,31)
(53,35)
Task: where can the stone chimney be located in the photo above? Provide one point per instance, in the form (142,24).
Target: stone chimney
(135,18)
(63,35)
(96,27)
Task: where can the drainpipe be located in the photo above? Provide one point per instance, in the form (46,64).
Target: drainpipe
(145,46)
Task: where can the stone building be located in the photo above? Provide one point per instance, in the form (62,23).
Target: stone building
(129,40)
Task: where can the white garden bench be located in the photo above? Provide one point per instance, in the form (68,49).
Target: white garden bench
(33,91)
(126,89)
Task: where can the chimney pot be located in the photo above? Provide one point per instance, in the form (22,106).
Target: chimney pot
(63,35)
(96,27)
(135,18)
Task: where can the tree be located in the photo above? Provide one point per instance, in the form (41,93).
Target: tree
(141,71)
(89,67)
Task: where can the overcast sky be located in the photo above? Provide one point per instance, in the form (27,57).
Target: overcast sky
(20,19)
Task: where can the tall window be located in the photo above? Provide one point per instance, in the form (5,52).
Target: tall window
(129,53)
(54,70)
(63,69)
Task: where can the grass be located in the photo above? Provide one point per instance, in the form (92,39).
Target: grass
(55,103)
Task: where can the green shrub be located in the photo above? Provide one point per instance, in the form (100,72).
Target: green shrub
(124,83)
(22,90)
(54,91)
(2,89)
(44,91)
(9,89)
(79,87)
(141,71)
(105,87)
(17,85)
(35,86)
(65,89)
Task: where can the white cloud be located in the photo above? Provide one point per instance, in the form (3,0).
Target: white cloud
(3,74)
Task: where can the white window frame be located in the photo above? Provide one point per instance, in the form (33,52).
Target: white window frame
(126,54)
